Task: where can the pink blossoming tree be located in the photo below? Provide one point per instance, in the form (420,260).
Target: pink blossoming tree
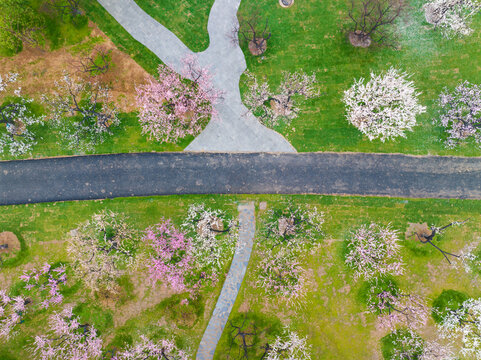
(68,339)
(11,312)
(173,107)
(172,259)
(373,251)
(148,349)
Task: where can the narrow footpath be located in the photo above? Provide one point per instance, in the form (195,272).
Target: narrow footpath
(232,283)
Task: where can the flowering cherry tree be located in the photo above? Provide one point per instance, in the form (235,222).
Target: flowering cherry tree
(68,339)
(453,17)
(12,310)
(172,259)
(384,107)
(17,136)
(461,113)
(41,288)
(281,105)
(465,323)
(288,346)
(213,236)
(46,282)
(293,226)
(82,112)
(102,249)
(281,275)
(173,107)
(396,308)
(373,251)
(148,349)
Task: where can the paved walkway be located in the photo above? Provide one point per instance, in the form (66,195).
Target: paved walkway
(232,283)
(122,175)
(236,129)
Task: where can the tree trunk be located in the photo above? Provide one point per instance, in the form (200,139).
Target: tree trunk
(359,39)
(258,47)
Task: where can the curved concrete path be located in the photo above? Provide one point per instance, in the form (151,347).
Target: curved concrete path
(235,128)
(232,283)
(121,175)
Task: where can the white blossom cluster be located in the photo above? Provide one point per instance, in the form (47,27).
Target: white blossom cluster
(465,323)
(148,349)
(409,345)
(280,105)
(18,137)
(384,107)
(289,346)
(82,112)
(461,113)
(102,249)
(213,234)
(453,17)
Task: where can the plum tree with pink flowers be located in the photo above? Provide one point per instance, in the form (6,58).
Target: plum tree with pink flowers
(163,349)
(11,312)
(373,250)
(171,259)
(67,339)
(176,105)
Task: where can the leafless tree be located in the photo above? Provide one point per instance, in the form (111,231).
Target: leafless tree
(254,31)
(371,19)
(426,238)
(243,333)
(97,63)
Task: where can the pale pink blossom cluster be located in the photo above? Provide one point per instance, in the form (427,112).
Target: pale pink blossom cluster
(173,107)
(11,312)
(406,310)
(374,251)
(68,339)
(461,113)
(385,106)
(281,274)
(47,282)
(147,349)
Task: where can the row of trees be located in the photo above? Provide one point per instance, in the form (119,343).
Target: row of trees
(386,106)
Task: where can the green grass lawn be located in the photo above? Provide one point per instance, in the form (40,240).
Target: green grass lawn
(336,323)
(125,138)
(312,36)
(42,229)
(185,18)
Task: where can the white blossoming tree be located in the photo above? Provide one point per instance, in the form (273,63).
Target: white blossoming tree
(384,107)
(288,346)
(373,251)
(102,249)
(82,112)
(453,17)
(148,349)
(16,136)
(465,323)
(273,107)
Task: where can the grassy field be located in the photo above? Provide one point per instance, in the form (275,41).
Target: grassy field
(137,308)
(185,18)
(312,36)
(334,320)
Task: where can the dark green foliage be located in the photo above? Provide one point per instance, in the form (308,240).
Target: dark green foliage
(448,301)
(376,286)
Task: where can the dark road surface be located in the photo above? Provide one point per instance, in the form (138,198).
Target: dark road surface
(122,175)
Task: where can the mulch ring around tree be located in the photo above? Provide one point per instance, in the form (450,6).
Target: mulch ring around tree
(9,244)
(286,3)
(422,230)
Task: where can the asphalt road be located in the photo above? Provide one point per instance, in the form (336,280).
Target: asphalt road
(123,175)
